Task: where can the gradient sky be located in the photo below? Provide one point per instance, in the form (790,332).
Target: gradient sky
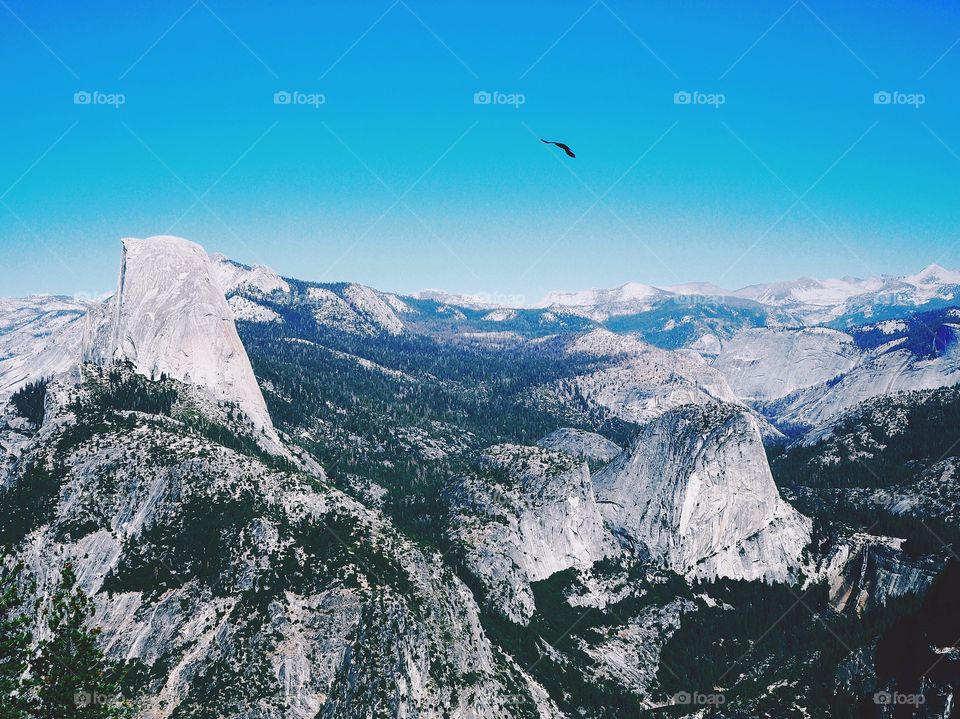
(400,181)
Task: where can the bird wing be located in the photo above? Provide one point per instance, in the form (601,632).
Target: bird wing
(562,146)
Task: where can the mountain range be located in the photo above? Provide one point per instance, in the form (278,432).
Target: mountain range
(807,299)
(298,499)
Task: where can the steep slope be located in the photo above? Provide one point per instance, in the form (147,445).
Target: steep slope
(234,277)
(694,491)
(234,587)
(170,317)
(806,377)
(866,571)
(889,466)
(527,514)
(39,337)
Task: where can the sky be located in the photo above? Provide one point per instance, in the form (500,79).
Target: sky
(397,143)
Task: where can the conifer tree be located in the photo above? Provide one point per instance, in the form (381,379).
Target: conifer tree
(15,641)
(74,679)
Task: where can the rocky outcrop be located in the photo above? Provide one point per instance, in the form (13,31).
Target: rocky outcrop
(580,443)
(630,379)
(170,317)
(234,277)
(866,571)
(694,492)
(527,513)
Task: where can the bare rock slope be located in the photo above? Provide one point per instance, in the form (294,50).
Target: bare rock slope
(695,492)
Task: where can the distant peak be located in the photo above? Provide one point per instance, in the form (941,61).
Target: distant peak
(934,273)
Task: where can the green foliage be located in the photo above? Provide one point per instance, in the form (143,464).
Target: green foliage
(771,647)
(73,678)
(15,639)
(240,673)
(560,626)
(911,652)
(869,457)
(29,401)
(357,419)
(835,515)
(128,391)
(29,501)
(121,390)
(928,420)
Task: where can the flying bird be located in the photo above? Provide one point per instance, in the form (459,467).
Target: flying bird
(563,147)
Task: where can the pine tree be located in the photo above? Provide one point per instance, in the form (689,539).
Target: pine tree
(74,679)
(15,641)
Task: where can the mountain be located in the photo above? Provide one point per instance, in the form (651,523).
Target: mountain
(298,499)
(849,300)
(766,364)
(694,491)
(232,587)
(477,302)
(170,317)
(703,316)
(527,514)
(629,298)
(628,378)
(801,378)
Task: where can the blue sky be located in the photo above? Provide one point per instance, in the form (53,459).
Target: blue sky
(400,180)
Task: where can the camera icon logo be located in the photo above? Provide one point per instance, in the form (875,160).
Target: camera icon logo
(882,98)
(282,98)
(682,98)
(82,97)
(883,698)
(482,98)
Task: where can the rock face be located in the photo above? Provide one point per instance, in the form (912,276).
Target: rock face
(355,309)
(170,316)
(579,443)
(765,364)
(633,380)
(39,337)
(879,373)
(806,377)
(865,572)
(695,493)
(529,512)
(234,277)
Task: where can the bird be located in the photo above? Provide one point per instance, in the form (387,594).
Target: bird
(563,147)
